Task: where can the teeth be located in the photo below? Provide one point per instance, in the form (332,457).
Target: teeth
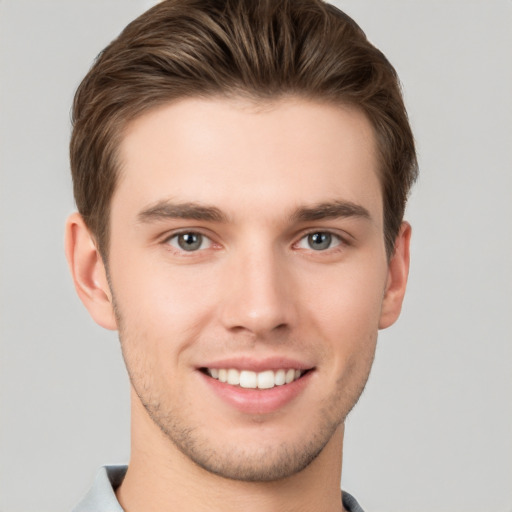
(248,379)
(266,380)
(280,378)
(233,377)
(252,380)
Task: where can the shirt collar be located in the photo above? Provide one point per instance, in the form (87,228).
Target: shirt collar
(102,497)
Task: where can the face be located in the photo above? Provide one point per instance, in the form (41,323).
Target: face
(248,272)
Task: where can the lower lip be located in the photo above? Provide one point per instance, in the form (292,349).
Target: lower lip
(257,401)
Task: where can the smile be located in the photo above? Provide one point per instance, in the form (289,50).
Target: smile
(255,380)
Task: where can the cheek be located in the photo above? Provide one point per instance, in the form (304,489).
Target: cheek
(161,316)
(161,302)
(346,313)
(348,299)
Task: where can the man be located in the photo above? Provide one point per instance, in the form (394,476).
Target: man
(241,170)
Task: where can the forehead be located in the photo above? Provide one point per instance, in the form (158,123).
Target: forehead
(246,157)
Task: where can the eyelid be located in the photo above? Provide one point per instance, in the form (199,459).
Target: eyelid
(182,231)
(343,239)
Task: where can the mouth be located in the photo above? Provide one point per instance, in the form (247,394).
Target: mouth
(257,387)
(266,379)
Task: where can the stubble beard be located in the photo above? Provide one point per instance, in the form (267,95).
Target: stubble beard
(264,464)
(269,462)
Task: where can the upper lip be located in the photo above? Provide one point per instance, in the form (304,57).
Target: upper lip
(258,365)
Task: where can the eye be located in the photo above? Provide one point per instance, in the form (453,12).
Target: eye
(319,241)
(189,241)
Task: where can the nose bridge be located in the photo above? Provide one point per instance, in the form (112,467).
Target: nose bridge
(259,298)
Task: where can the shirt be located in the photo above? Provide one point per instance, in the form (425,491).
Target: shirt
(102,498)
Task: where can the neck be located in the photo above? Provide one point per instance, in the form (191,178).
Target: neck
(161,479)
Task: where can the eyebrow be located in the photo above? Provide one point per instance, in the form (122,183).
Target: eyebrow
(330,210)
(166,209)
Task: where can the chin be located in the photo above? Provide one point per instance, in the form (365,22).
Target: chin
(258,453)
(276,461)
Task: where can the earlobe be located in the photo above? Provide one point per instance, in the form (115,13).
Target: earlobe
(398,271)
(88,272)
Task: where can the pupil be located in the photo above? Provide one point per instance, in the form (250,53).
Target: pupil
(190,241)
(319,241)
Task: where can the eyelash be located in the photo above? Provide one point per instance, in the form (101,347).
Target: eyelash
(341,242)
(204,237)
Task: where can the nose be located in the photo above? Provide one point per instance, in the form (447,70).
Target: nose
(259,294)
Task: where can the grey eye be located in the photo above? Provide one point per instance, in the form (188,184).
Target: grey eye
(189,241)
(319,241)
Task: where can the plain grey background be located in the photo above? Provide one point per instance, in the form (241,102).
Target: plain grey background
(433,431)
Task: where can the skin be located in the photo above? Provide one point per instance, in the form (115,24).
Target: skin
(257,180)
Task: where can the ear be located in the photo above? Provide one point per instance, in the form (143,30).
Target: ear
(88,272)
(398,270)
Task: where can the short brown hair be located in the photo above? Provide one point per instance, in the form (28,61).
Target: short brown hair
(261,49)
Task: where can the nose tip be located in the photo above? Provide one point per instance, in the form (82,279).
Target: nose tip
(256,320)
(259,300)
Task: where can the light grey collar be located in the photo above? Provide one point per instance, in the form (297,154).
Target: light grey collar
(102,497)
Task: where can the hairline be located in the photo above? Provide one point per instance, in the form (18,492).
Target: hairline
(255,99)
